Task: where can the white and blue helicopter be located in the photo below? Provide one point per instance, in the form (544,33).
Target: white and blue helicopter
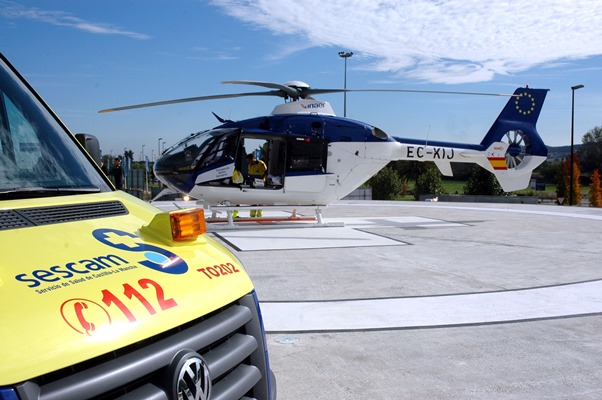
(314,157)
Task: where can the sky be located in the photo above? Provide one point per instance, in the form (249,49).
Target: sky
(84,56)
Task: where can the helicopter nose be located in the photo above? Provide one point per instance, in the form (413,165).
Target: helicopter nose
(173,171)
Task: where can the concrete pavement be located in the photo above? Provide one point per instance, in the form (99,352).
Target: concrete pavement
(432,301)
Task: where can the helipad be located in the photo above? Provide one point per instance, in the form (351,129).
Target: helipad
(432,301)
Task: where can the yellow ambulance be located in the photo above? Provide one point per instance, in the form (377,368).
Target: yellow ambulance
(102,295)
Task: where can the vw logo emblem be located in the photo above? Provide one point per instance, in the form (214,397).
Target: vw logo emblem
(191,380)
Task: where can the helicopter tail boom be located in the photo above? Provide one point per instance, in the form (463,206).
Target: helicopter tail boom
(511,149)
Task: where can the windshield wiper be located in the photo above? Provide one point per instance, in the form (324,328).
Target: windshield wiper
(43,191)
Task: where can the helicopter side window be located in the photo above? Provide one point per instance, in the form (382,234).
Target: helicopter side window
(277,159)
(223,149)
(307,154)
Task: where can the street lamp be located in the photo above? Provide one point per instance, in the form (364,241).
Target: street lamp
(345,55)
(142,154)
(573,88)
(159,147)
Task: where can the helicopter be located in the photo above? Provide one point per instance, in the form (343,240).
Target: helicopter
(313,157)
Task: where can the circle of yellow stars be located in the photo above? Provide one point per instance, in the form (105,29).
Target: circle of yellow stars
(525,110)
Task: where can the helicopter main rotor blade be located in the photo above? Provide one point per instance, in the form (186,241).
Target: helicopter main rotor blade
(418,91)
(304,91)
(190,99)
(308,92)
(293,90)
(287,90)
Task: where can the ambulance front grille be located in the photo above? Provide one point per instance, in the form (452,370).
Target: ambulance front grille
(24,217)
(229,340)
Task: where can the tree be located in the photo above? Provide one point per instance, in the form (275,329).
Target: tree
(590,152)
(429,182)
(482,182)
(547,171)
(561,182)
(595,194)
(576,186)
(387,184)
(410,170)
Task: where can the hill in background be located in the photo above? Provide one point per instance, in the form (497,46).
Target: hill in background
(557,153)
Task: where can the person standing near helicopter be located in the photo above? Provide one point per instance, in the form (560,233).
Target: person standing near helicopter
(256,170)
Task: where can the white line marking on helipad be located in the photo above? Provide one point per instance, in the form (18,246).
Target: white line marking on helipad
(314,237)
(434,311)
(441,225)
(569,212)
(306,238)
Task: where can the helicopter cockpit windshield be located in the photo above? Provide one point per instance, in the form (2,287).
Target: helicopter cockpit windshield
(198,150)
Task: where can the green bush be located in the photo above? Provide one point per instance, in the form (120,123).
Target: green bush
(429,182)
(387,185)
(482,182)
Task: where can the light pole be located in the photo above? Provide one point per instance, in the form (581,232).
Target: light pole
(159,147)
(573,88)
(142,154)
(345,56)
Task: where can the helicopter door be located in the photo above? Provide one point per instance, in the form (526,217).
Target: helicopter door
(306,163)
(306,156)
(272,152)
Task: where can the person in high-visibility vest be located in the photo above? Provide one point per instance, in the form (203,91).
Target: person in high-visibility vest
(257,170)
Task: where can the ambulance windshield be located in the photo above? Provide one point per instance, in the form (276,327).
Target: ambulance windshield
(37,156)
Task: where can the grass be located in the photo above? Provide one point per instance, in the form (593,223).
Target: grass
(454,186)
(457,187)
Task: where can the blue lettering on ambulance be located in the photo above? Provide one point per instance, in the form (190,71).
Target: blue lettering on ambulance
(70,269)
(152,257)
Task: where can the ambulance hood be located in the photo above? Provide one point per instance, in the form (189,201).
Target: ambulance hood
(75,290)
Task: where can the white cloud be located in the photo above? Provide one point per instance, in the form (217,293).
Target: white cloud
(60,18)
(437,41)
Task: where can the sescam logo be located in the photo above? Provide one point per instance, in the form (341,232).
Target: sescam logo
(144,254)
(156,258)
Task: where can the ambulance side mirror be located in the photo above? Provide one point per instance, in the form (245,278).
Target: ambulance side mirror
(91,144)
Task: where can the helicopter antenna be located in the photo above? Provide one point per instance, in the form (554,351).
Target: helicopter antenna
(220,119)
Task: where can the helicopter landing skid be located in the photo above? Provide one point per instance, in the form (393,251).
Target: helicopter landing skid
(232,222)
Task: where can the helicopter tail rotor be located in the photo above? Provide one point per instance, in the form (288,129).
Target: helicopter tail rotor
(513,146)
